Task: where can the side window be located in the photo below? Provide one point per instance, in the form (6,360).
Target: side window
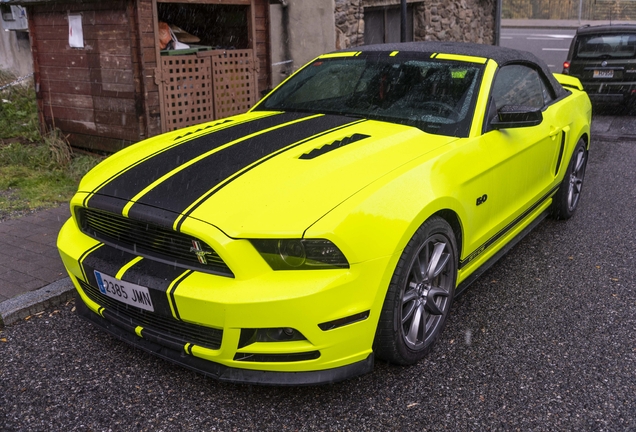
(547,97)
(520,85)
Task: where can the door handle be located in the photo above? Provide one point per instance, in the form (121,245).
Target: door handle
(554,131)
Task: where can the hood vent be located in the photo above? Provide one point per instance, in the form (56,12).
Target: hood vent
(333,146)
(200,129)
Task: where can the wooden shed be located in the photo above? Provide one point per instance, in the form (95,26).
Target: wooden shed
(120,87)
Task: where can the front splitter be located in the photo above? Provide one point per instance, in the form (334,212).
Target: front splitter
(225,373)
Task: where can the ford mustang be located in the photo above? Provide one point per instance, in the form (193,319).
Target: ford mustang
(333,223)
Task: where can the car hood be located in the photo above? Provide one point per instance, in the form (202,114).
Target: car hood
(256,175)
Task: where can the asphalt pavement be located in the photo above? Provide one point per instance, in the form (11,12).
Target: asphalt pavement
(545,340)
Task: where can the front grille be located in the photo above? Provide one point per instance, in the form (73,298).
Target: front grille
(151,241)
(170,328)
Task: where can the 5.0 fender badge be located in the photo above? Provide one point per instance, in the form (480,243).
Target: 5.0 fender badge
(482,199)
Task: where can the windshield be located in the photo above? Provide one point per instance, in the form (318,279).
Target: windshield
(435,96)
(606,46)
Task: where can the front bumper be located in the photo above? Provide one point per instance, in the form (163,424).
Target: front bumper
(225,373)
(225,309)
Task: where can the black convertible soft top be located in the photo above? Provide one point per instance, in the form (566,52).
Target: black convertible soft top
(500,55)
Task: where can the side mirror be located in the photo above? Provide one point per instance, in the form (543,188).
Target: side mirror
(515,116)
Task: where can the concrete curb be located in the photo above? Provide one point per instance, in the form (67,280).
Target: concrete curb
(30,303)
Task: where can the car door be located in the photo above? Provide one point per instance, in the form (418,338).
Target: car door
(514,167)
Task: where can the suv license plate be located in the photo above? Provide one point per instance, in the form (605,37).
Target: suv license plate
(125,292)
(603,74)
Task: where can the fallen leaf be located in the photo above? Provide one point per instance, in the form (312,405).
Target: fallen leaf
(3,339)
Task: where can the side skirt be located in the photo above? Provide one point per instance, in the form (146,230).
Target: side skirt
(504,250)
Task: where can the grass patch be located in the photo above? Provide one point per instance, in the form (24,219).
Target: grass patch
(31,178)
(18,111)
(36,171)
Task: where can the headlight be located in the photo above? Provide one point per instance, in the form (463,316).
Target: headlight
(300,254)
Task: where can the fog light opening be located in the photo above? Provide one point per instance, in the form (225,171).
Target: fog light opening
(277,334)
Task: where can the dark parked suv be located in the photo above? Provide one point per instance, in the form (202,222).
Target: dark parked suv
(604,59)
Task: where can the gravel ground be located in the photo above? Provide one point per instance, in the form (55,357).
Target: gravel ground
(545,340)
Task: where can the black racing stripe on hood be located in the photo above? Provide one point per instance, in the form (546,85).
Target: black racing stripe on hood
(184,188)
(132,181)
(203,198)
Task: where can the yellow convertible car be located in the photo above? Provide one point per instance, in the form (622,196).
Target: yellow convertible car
(336,220)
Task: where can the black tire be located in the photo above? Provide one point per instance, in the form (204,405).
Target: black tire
(417,296)
(567,198)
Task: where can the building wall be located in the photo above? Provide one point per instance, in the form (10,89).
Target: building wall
(444,20)
(299,32)
(15,53)
(303,29)
(458,21)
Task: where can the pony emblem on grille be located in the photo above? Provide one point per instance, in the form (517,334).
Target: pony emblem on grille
(199,252)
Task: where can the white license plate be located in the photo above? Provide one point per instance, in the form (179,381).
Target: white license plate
(125,292)
(603,74)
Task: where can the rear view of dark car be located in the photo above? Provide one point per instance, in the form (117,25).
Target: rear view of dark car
(604,59)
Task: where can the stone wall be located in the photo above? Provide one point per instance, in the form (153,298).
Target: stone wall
(349,17)
(455,20)
(443,20)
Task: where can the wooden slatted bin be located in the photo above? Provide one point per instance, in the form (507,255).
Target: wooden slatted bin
(187,90)
(234,76)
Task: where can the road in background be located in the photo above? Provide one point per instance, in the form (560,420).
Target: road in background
(550,45)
